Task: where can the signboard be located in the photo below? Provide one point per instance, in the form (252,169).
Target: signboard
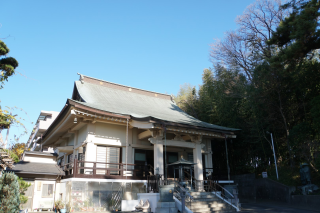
(264,174)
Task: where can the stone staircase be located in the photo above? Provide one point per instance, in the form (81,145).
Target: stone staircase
(205,202)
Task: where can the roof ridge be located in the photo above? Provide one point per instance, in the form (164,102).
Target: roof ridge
(81,78)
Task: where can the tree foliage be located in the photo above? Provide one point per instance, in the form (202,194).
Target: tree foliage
(7,64)
(9,193)
(265,78)
(23,187)
(18,149)
(7,69)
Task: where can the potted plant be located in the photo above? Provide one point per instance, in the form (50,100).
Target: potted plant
(60,206)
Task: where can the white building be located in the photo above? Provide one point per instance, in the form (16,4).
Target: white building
(40,169)
(43,122)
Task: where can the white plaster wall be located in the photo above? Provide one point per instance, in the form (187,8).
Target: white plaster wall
(60,189)
(91,155)
(130,155)
(82,134)
(70,140)
(135,139)
(108,141)
(40,159)
(38,200)
(111,133)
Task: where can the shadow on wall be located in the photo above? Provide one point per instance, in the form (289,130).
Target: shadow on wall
(246,187)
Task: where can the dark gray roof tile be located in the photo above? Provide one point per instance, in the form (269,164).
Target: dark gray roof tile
(37,168)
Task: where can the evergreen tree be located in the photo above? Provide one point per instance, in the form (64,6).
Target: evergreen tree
(9,193)
(7,64)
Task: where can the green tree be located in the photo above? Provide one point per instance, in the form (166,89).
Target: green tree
(297,63)
(186,99)
(7,64)
(23,187)
(8,67)
(18,149)
(9,193)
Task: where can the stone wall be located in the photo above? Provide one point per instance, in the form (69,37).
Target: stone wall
(267,189)
(310,202)
(264,189)
(246,187)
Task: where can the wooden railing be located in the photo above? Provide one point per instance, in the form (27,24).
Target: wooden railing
(91,169)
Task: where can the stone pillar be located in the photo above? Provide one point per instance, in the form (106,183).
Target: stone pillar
(130,149)
(158,158)
(197,158)
(75,143)
(157,142)
(91,155)
(209,156)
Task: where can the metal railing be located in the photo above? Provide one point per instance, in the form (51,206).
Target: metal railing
(219,191)
(153,183)
(182,195)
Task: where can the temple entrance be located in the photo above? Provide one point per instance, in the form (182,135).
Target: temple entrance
(171,158)
(143,157)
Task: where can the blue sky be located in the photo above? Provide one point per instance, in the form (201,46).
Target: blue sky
(152,45)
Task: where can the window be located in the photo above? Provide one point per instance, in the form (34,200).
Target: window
(107,155)
(172,158)
(140,156)
(70,158)
(47,190)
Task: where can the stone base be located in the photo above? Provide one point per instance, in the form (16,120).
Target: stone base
(166,207)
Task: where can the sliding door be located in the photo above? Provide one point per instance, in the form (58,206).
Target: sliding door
(109,158)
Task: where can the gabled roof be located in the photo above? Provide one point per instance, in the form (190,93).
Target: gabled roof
(137,103)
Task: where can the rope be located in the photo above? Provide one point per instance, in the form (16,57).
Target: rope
(225,140)
(127,130)
(165,151)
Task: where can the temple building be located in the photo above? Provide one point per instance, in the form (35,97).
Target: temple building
(109,136)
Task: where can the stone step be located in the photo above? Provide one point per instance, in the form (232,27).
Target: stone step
(205,202)
(218,211)
(219,205)
(215,202)
(212,210)
(200,193)
(209,207)
(205,199)
(204,196)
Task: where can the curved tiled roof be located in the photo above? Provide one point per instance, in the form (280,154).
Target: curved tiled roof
(137,103)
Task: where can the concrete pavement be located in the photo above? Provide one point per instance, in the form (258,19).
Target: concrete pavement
(272,208)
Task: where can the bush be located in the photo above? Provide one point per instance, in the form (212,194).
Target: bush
(9,193)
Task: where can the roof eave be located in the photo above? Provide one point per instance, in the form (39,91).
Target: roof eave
(168,123)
